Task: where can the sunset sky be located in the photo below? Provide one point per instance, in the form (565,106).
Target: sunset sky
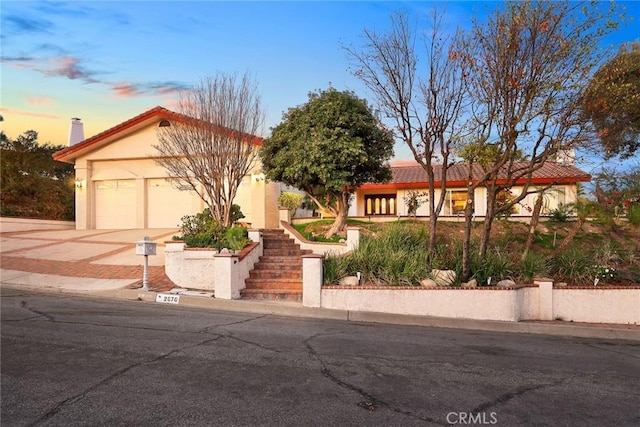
(108,61)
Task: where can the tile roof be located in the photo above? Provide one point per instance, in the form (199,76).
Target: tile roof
(157,113)
(411,174)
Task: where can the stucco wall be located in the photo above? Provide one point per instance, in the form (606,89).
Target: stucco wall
(130,157)
(600,305)
(593,305)
(479,303)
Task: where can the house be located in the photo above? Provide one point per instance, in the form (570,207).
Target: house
(119,186)
(389,199)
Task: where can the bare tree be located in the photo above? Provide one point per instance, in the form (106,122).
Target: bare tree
(426,105)
(211,145)
(528,65)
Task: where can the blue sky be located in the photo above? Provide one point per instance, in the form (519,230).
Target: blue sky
(107,61)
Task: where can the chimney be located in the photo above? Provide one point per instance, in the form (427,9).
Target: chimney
(76,131)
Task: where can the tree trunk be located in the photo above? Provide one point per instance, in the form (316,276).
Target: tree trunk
(340,223)
(466,239)
(488,221)
(433,221)
(535,218)
(574,231)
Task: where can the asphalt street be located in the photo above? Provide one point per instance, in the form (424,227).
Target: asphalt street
(78,361)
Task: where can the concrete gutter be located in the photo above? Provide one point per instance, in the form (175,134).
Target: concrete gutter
(292,309)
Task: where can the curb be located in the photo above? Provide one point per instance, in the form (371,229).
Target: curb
(297,310)
(288,309)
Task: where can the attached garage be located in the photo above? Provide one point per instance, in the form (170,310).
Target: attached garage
(166,204)
(120,185)
(115,201)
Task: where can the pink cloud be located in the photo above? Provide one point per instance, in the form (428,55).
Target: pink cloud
(40,100)
(10,112)
(125,90)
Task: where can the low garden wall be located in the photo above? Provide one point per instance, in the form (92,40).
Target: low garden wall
(320,248)
(538,301)
(9,224)
(605,304)
(209,270)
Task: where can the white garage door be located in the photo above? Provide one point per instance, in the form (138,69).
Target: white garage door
(116,204)
(166,204)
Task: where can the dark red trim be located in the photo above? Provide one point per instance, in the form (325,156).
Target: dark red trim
(156,112)
(463,183)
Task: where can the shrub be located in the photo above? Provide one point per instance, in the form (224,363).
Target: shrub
(236,214)
(236,238)
(201,231)
(575,265)
(396,256)
(291,201)
(495,265)
(534,264)
(561,214)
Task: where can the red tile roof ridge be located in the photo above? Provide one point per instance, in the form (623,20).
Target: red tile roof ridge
(157,111)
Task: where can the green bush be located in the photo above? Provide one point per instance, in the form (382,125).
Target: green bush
(495,265)
(236,238)
(534,264)
(201,231)
(236,214)
(574,265)
(291,201)
(396,256)
(561,214)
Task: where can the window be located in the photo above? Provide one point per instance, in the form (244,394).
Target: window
(380,204)
(506,196)
(455,202)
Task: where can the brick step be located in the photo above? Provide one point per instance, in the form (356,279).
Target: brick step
(294,265)
(272,294)
(283,252)
(284,260)
(277,244)
(291,284)
(275,274)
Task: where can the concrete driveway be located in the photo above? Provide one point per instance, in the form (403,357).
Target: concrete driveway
(53,254)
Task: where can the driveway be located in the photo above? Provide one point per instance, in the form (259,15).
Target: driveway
(51,254)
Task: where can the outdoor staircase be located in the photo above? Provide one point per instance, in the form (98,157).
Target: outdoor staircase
(278,273)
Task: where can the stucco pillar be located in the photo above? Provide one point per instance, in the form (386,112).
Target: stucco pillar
(83,189)
(227,278)
(285,216)
(256,237)
(312,278)
(545,298)
(353,238)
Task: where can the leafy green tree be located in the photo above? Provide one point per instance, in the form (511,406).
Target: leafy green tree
(33,184)
(612,102)
(327,147)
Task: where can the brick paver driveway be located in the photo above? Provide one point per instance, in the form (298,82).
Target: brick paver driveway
(99,254)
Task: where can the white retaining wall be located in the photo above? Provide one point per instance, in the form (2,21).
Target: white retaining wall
(540,301)
(206,269)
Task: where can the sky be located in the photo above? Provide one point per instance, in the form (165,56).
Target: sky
(108,61)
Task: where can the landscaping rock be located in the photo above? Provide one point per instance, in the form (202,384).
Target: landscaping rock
(349,281)
(428,283)
(443,277)
(506,283)
(473,283)
(561,284)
